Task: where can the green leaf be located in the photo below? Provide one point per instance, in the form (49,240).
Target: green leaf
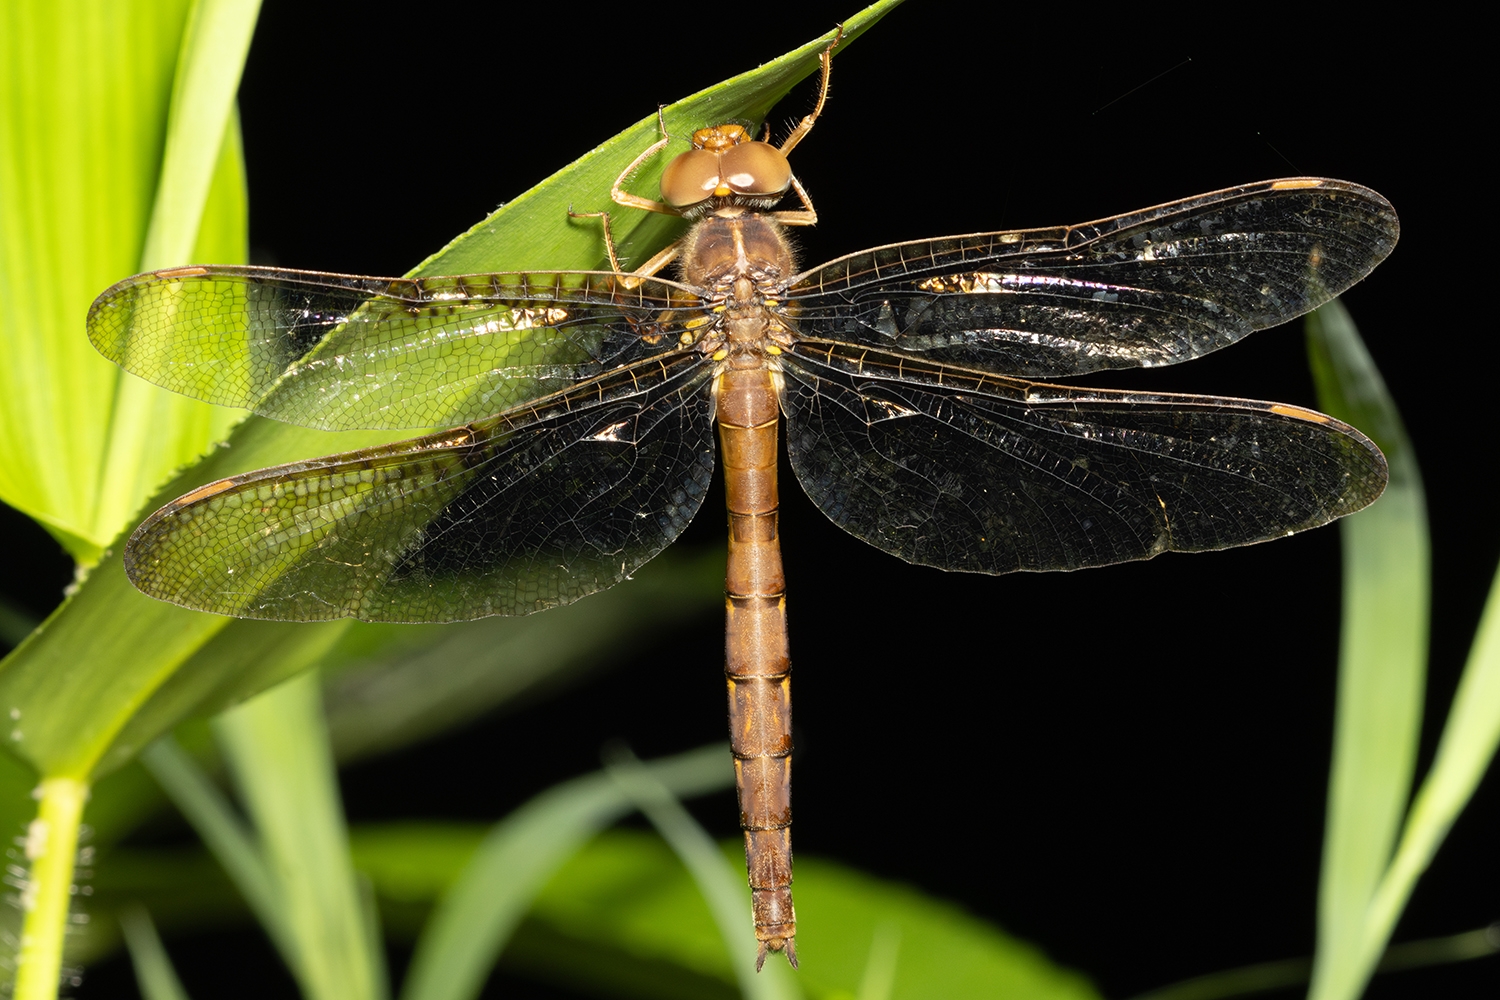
(153,969)
(1465,749)
(477,915)
(1382,660)
(277,749)
(722,885)
(619,915)
(535,232)
(386,686)
(78,682)
(75,689)
(225,834)
(84,115)
(624,918)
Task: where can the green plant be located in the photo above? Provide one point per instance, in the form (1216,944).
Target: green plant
(85,709)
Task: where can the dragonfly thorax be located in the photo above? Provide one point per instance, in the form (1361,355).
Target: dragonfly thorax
(725,168)
(720,250)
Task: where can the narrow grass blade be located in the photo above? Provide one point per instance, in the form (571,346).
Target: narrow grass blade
(153,969)
(1465,750)
(477,915)
(1264,977)
(214,45)
(277,749)
(1382,660)
(224,834)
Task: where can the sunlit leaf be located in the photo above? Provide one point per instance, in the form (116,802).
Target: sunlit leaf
(83,123)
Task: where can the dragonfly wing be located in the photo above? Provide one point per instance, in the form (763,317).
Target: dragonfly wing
(341,352)
(1149,288)
(533,508)
(993,475)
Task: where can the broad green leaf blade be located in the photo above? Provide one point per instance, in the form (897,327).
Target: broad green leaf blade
(153,969)
(84,96)
(389,686)
(879,978)
(77,680)
(1382,660)
(476,916)
(722,885)
(233,665)
(84,92)
(154,433)
(277,749)
(120,647)
(534,232)
(623,917)
(200,211)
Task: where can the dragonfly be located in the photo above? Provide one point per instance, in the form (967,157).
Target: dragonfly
(913,381)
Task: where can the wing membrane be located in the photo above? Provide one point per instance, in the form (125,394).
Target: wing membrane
(527,510)
(993,475)
(1153,287)
(341,352)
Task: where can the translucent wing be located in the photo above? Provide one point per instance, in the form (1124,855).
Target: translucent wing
(341,352)
(992,475)
(533,508)
(1153,287)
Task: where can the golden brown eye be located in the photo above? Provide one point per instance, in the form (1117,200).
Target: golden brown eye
(691,177)
(755,168)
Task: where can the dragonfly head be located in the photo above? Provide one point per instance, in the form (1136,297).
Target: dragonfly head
(725,168)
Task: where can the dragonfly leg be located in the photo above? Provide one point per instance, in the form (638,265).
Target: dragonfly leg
(625,199)
(609,236)
(808,216)
(805,125)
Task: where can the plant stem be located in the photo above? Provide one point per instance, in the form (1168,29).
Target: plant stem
(51,848)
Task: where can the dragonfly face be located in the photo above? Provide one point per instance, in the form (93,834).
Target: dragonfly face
(911,378)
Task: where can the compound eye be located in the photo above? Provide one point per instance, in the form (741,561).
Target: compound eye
(756,168)
(691,177)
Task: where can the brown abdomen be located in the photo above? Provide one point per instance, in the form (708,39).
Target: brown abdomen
(756,661)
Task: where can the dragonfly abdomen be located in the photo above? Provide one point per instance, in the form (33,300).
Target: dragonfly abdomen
(757,665)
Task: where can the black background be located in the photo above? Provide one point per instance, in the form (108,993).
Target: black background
(1126,766)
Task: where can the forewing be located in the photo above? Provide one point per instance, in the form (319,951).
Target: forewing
(994,475)
(341,352)
(1153,287)
(531,509)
